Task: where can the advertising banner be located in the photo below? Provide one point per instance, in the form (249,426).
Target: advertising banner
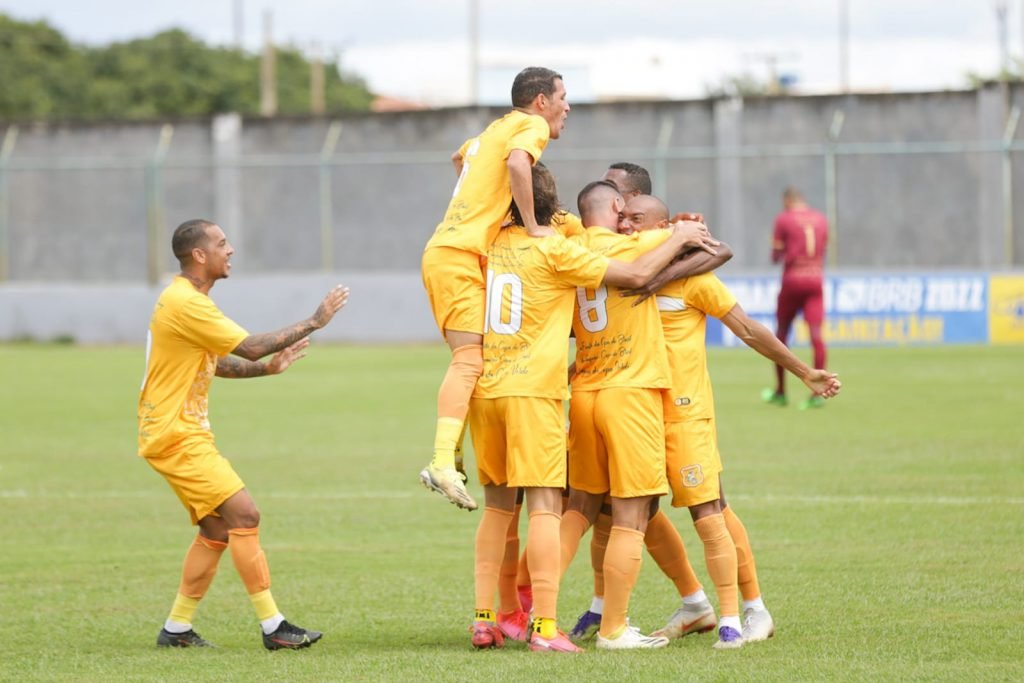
(895,309)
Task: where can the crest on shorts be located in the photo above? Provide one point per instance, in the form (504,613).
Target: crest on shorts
(693,475)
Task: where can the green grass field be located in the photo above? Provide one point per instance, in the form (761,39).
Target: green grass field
(888,527)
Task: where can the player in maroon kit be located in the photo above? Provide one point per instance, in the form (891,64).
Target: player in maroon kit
(799,242)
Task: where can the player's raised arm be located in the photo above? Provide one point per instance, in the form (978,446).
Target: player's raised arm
(760,338)
(256,346)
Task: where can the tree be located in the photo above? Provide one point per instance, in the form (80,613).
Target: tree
(170,74)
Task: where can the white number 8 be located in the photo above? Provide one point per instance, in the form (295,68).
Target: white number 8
(593,312)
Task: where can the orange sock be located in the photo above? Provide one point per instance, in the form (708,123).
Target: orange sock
(621,568)
(249,559)
(666,547)
(453,401)
(720,556)
(598,548)
(542,546)
(490,548)
(508,595)
(523,576)
(200,566)
(574,525)
(746,568)
(251,565)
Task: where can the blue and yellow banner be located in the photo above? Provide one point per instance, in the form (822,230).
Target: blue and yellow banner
(896,309)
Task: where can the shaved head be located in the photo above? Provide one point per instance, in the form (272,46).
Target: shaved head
(595,198)
(643,212)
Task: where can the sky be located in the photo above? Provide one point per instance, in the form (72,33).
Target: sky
(420,49)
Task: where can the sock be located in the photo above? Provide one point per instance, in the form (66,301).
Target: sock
(543,549)
(172,626)
(453,401)
(720,557)
(597,605)
(695,597)
(755,604)
(460,463)
(746,568)
(545,627)
(598,547)
(523,575)
(251,565)
(621,567)
(666,547)
(508,592)
(197,574)
(270,624)
(574,525)
(490,548)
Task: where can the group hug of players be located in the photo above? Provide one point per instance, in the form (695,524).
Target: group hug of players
(510,276)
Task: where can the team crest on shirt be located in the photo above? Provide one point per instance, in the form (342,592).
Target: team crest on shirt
(692,475)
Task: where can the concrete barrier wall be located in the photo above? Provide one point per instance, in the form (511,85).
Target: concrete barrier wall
(91,202)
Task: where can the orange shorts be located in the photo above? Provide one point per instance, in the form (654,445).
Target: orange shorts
(693,463)
(519,441)
(456,287)
(617,442)
(200,476)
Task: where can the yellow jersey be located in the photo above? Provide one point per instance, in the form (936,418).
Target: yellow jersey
(531,284)
(483,193)
(187,334)
(684,306)
(618,344)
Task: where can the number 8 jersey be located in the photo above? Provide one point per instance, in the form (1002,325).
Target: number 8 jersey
(618,344)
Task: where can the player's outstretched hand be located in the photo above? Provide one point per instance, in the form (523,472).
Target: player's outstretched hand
(696,235)
(280,361)
(823,383)
(332,303)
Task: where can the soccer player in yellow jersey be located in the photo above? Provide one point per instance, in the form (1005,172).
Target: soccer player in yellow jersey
(694,464)
(190,341)
(662,539)
(616,438)
(493,170)
(517,417)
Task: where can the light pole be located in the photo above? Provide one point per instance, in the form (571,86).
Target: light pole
(844,46)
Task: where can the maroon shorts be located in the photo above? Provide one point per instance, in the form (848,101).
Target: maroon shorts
(801,294)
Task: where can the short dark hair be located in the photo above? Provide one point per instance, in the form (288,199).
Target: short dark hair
(545,197)
(533,81)
(188,236)
(587,199)
(637,175)
(792,194)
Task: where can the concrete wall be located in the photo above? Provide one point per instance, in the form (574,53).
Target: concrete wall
(918,183)
(81,198)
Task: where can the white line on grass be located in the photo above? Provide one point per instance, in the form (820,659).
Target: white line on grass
(413,493)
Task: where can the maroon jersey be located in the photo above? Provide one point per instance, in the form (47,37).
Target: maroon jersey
(800,239)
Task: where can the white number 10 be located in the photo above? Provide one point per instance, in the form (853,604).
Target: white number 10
(494,317)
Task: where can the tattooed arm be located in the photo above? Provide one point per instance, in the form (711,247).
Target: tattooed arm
(256,346)
(236,368)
